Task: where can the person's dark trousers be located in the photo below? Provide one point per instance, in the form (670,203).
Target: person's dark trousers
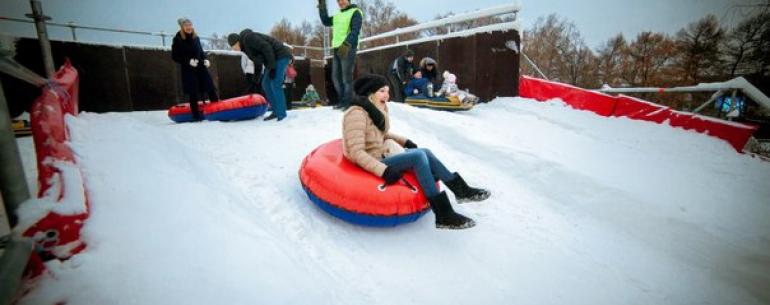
(426,167)
(205,81)
(252,86)
(287,87)
(197,115)
(396,87)
(342,76)
(274,88)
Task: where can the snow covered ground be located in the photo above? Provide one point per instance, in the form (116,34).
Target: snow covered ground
(585,210)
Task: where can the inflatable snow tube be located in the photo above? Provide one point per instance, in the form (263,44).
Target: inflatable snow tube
(344,190)
(451,103)
(240,108)
(181,113)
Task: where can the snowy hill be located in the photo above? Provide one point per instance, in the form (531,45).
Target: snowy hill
(585,210)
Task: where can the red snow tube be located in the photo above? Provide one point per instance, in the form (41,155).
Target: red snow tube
(345,190)
(245,107)
(181,113)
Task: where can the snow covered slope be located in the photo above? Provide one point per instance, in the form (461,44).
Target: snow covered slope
(585,210)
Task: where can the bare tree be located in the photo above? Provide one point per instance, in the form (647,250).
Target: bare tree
(217,43)
(456,27)
(611,57)
(556,46)
(699,57)
(649,57)
(381,17)
(748,45)
(296,36)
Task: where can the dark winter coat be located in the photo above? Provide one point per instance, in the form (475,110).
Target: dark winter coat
(194,79)
(431,75)
(417,83)
(263,49)
(402,68)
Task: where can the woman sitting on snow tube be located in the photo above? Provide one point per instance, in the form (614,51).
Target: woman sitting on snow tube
(365,129)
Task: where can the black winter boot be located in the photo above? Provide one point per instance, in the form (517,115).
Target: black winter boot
(465,193)
(446,217)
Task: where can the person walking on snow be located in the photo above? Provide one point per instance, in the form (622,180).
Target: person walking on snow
(275,57)
(186,50)
(400,73)
(367,142)
(346,29)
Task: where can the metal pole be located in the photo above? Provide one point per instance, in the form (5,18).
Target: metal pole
(72,28)
(534,65)
(713,98)
(13,184)
(163,37)
(42,35)
(12,265)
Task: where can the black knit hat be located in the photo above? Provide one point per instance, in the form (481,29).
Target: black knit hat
(233,38)
(369,84)
(408,53)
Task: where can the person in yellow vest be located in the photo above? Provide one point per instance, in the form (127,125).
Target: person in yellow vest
(346,28)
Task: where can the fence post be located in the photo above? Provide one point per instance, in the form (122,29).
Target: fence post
(42,35)
(72,27)
(13,184)
(163,37)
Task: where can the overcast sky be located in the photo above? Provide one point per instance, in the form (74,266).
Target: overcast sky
(597,20)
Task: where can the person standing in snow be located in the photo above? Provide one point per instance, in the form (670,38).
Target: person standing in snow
(275,57)
(249,71)
(367,142)
(186,50)
(401,71)
(346,29)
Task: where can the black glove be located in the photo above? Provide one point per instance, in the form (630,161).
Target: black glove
(344,49)
(391,175)
(271,73)
(410,144)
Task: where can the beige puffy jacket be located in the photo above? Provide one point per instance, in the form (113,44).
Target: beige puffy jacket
(363,143)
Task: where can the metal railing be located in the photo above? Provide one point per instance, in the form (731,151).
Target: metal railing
(448,21)
(162,34)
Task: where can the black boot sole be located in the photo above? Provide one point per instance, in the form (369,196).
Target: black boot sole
(466,225)
(473,199)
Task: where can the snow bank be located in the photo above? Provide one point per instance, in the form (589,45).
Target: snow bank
(214,213)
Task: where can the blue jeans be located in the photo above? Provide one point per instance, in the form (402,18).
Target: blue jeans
(426,166)
(342,76)
(274,88)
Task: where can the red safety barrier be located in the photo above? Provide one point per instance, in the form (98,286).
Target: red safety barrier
(577,98)
(57,232)
(736,134)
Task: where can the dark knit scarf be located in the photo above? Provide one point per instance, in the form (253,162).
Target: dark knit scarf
(375,114)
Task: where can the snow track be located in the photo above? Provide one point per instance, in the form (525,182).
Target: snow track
(585,209)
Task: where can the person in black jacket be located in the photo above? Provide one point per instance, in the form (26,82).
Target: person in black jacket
(186,50)
(400,73)
(429,69)
(275,56)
